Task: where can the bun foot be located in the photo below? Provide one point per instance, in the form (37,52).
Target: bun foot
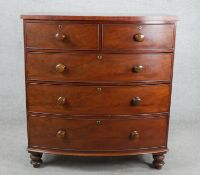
(36,160)
(158,161)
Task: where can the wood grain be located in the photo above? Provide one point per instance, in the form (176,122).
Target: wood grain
(89,100)
(121,36)
(88,67)
(85,134)
(78,36)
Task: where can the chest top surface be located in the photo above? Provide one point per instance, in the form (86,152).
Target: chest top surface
(127,17)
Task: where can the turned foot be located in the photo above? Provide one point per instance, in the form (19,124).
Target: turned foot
(158,161)
(36,159)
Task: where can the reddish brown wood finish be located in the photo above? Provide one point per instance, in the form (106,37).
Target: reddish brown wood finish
(77,36)
(91,100)
(87,135)
(99,67)
(121,36)
(97,117)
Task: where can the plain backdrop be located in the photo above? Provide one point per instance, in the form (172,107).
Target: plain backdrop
(186,83)
(184,155)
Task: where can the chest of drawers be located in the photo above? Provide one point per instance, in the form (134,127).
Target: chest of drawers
(98,85)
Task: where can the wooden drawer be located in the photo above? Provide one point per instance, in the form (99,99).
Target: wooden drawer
(56,35)
(91,100)
(92,134)
(99,68)
(123,36)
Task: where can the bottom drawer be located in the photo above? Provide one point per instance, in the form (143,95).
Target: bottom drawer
(94,134)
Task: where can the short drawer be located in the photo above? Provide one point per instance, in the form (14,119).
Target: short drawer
(55,35)
(91,100)
(137,36)
(99,68)
(97,134)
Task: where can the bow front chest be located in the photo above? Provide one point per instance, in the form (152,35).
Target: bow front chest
(98,85)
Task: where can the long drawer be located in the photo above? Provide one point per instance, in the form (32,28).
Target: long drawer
(62,35)
(92,134)
(99,67)
(137,36)
(91,100)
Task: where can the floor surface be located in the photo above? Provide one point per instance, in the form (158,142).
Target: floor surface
(182,159)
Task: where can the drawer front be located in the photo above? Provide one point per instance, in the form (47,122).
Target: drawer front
(91,100)
(99,68)
(91,134)
(62,36)
(139,37)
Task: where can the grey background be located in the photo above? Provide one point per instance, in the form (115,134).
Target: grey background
(185,98)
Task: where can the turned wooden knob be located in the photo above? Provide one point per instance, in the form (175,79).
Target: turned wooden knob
(134,135)
(60,36)
(61,134)
(139,37)
(138,68)
(61,100)
(136,101)
(60,68)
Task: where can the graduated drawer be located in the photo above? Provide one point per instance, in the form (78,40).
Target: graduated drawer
(60,35)
(99,68)
(93,134)
(91,100)
(137,36)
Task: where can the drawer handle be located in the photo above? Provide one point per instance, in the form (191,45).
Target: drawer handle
(60,68)
(136,101)
(61,100)
(139,37)
(134,135)
(138,68)
(61,134)
(60,36)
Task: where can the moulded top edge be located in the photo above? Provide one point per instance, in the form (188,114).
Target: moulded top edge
(98,17)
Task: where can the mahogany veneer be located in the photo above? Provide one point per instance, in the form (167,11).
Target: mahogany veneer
(87,100)
(98,85)
(86,134)
(120,36)
(85,67)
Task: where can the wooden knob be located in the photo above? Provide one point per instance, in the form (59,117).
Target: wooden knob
(61,100)
(134,135)
(136,101)
(139,37)
(61,134)
(60,68)
(60,36)
(138,68)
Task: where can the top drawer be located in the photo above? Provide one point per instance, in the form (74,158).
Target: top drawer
(69,36)
(137,37)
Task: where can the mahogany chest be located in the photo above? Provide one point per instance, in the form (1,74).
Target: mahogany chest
(98,85)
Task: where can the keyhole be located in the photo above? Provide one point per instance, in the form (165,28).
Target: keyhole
(99,89)
(98,122)
(99,57)
(60,26)
(139,27)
